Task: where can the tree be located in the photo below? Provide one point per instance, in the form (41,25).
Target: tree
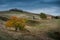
(43,15)
(17,23)
(57,17)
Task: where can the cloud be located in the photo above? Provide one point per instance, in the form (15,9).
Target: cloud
(32,2)
(52,11)
(36,6)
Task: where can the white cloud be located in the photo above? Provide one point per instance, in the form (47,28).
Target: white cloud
(52,10)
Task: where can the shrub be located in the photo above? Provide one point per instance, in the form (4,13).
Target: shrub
(17,23)
(3,18)
(43,16)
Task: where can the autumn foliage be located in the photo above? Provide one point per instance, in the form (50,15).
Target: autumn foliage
(17,23)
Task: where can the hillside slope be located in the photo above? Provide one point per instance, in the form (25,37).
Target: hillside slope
(23,14)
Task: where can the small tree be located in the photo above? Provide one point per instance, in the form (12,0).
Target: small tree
(43,15)
(16,23)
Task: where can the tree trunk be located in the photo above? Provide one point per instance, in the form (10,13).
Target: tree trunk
(16,28)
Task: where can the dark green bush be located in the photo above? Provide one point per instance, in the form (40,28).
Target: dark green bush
(43,15)
(3,18)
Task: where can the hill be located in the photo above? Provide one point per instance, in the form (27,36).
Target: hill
(42,30)
(18,13)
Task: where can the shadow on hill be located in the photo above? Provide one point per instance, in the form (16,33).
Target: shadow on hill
(55,35)
(33,22)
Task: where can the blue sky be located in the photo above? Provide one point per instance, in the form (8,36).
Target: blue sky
(35,6)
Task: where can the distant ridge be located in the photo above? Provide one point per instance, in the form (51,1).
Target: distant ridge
(21,11)
(15,9)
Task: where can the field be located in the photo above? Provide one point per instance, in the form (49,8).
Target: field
(37,31)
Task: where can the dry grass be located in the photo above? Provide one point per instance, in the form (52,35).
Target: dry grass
(36,32)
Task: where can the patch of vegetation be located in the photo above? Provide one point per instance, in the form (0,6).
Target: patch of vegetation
(43,15)
(57,17)
(3,18)
(55,35)
(17,23)
(16,10)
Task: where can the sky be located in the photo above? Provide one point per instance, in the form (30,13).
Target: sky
(51,7)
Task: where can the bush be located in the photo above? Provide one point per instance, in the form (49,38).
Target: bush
(3,18)
(17,23)
(43,16)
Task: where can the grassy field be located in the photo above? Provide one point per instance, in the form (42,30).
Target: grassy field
(37,31)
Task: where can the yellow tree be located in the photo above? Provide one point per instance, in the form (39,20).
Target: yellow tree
(16,23)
